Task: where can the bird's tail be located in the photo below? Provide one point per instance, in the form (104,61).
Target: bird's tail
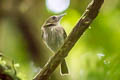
(64,68)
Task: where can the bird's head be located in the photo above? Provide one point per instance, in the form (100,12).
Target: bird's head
(54,19)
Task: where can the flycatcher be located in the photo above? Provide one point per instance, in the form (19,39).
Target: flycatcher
(54,35)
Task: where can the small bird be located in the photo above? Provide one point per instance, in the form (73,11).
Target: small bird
(54,35)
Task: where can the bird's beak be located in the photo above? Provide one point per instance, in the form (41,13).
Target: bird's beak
(60,16)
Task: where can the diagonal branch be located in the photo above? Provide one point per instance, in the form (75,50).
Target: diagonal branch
(88,16)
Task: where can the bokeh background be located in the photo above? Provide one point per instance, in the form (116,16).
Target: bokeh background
(96,56)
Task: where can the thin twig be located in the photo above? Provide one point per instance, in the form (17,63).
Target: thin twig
(88,16)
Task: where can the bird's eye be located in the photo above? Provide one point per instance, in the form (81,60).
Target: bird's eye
(54,17)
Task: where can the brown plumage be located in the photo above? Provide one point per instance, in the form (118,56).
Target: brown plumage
(54,36)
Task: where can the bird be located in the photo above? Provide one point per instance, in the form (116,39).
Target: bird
(54,35)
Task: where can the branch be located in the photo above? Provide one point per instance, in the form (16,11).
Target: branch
(88,16)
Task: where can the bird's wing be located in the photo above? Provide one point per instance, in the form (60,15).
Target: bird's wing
(42,32)
(64,33)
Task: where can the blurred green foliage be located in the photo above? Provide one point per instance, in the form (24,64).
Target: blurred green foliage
(7,69)
(96,56)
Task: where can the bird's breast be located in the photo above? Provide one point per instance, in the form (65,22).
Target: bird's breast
(54,37)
